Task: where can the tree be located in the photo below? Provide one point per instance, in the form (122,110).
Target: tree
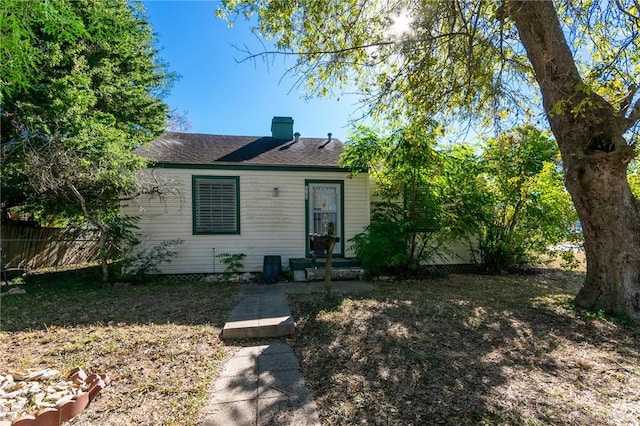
(407,227)
(74,110)
(528,209)
(507,202)
(472,58)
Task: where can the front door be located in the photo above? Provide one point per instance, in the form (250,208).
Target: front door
(324,205)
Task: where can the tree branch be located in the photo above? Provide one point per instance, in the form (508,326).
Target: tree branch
(102,227)
(626,102)
(264,53)
(85,211)
(633,116)
(307,53)
(624,10)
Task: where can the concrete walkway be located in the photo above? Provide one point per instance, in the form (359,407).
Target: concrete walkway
(263,385)
(261,312)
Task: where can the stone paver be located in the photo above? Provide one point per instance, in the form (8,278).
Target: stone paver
(262,312)
(261,385)
(284,410)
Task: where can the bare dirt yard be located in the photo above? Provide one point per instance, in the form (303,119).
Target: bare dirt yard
(468,349)
(462,349)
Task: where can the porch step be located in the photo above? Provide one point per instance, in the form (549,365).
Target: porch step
(339,273)
(261,312)
(342,268)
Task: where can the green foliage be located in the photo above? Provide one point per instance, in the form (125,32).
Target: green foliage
(530,209)
(89,92)
(287,274)
(454,59)
(508,203)
(139,263)
(466,194)
(633,176)
(233,264)
(121,234)
(353,42)
(90,102)
(21,24)
(406,228)
(382,247)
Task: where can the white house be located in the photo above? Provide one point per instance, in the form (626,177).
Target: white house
(259,196)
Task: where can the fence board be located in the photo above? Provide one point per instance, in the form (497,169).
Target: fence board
(29,247)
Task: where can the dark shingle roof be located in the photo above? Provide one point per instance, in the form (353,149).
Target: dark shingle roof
(201,149)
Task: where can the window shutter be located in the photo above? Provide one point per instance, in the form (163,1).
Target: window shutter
(216,205)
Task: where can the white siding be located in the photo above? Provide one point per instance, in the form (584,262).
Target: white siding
(269,225)
(460,253)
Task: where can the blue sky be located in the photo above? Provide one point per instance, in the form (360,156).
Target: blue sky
(222,96)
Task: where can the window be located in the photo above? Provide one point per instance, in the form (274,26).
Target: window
(216,205)
(324,206)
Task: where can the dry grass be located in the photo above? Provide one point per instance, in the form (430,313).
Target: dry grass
(468,349)
(159,342)
(465,349)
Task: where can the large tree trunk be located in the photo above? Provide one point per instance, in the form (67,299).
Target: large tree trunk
(595,158)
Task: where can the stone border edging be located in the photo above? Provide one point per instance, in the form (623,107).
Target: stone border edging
(67,407)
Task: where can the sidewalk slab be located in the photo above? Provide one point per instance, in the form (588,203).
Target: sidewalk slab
(261,385)
(293,411)
(262,312)
(237,413)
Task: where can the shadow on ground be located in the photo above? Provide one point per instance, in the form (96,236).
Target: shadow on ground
(465,349)
(75,299)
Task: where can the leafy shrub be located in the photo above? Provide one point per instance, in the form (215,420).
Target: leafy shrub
(233,264)
(503,254)
(507,199)
(391,244)
(141,262)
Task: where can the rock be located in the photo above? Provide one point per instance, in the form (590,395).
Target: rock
(19,375)
(16,290)
(22,392)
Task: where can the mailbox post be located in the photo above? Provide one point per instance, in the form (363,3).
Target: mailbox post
(322,243)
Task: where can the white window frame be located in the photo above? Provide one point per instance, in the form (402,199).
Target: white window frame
(338,211)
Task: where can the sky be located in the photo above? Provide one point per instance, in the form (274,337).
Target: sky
(222,96)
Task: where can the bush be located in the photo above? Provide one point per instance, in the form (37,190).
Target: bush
(391,245)
(233,264)
(139,263)
(504,254)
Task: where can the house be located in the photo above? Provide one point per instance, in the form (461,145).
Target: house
(259,196)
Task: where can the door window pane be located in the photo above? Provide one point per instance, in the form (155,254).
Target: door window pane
(325,208)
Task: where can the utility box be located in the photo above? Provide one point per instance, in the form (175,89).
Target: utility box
(282,128)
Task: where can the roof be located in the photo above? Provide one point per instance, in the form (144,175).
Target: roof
(203,149)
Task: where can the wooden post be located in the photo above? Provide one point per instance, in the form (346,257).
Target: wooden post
(331,243)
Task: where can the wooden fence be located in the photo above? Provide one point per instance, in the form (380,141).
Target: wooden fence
(28,247)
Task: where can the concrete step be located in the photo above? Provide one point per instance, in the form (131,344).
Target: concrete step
(261,312)
(266,327)
(314,274)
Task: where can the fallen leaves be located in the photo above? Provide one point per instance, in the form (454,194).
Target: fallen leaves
(467,349)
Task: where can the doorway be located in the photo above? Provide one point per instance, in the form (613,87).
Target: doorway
(324,205)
